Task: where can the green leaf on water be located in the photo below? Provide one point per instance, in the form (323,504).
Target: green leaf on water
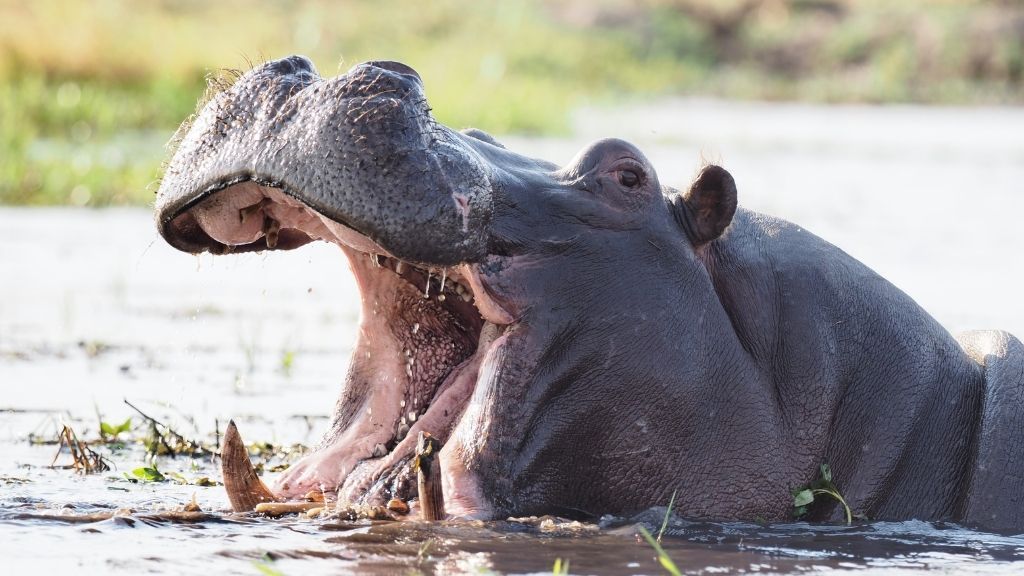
(823,486)
(287,362)
(147,474)
(110,430)
(803,498)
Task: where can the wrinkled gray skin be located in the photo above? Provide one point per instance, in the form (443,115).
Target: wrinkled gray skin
(661,341)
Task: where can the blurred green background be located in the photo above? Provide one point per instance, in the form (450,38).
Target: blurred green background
(90,91)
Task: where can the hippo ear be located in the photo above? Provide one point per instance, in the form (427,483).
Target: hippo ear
(707,208)
(482,136)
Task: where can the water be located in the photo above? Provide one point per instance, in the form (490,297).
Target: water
(94,308)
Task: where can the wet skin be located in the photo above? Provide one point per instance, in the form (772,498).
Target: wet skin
(582,338)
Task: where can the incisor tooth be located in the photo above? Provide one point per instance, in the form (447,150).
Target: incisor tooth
(271,228)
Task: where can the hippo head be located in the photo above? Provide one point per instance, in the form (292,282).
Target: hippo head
(525,314)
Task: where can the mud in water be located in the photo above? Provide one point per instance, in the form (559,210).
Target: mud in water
(95,309)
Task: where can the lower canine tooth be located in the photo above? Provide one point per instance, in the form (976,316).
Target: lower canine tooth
(428,481)
(245,489)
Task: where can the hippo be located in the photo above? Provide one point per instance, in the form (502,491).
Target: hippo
(582,339)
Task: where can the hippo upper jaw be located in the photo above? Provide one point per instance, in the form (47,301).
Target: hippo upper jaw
(360,150)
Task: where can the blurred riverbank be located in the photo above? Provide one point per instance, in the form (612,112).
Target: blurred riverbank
(90,92)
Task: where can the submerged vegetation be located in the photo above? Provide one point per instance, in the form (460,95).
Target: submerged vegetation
(84,459)
(89,92)
(157,441)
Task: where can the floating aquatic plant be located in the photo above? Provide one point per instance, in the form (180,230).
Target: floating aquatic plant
(823,486)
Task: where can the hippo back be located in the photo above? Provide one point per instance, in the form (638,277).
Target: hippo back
(865,379)
(996,495)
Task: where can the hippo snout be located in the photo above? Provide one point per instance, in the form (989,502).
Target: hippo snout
(360,150)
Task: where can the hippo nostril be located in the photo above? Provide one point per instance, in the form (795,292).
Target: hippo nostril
(291,65)
(396,67)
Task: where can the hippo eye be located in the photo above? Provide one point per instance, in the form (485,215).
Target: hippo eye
(629,178)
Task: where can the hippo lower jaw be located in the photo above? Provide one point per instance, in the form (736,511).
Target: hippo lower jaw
(424,335)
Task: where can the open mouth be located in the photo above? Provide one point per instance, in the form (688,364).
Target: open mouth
(424,334)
